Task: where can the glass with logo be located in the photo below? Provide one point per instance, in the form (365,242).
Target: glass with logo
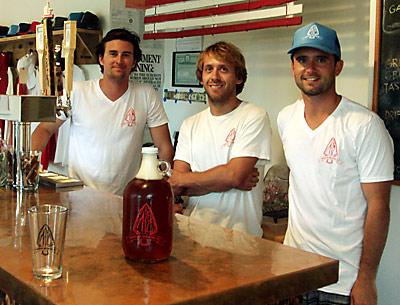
(47,226)
(147,211)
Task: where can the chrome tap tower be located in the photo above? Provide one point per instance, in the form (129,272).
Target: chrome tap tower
(22,110)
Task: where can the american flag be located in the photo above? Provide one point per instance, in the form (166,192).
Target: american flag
(176,18)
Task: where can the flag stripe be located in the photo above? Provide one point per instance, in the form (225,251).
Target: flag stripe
(160,2)
(227,18)
(226,29)
(187,6)
(220,10)
(207,17)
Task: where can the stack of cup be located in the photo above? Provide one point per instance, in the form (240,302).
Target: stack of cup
(29,170)
(3,166)
(6,164)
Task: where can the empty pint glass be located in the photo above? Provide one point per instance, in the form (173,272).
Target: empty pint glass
(47,225)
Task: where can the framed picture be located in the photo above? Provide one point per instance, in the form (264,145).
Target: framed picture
(184,69)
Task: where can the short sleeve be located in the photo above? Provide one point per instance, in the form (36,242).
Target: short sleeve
(183,147)
(375,152)
(156,113)
(254,138)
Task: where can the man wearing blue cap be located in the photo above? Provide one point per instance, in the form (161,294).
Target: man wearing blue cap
(341,167)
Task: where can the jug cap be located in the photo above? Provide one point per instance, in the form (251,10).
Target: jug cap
(149,150)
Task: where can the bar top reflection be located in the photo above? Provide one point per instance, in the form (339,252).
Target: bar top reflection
(208,265)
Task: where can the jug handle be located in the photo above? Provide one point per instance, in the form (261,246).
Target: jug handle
(167,171)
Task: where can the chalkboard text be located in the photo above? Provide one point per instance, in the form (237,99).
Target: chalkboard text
(394,8)
(391,87)
(391,115)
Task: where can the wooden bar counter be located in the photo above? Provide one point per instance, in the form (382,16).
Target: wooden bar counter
(209,264)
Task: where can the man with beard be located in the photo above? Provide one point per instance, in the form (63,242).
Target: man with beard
(221,151)
(108,119)
(340,157)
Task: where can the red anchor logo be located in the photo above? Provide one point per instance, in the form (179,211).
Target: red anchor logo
(130,118)
(331,152)
(230,139)
(145,229)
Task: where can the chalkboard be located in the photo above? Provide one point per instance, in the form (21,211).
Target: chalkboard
(387,72)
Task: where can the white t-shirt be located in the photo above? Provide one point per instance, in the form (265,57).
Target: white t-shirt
(61,155)
(327,207)
(206,141)
(106,137)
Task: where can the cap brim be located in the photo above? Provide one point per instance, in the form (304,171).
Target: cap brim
(310,45)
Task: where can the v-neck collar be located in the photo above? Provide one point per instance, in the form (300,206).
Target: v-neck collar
(312,132)
(105,96)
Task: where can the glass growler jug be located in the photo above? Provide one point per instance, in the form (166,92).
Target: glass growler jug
(147,211)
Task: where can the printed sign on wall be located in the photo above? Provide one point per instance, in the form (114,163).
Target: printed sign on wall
(150,69)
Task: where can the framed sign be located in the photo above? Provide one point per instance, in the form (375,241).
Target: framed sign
(386,97)
(184,69)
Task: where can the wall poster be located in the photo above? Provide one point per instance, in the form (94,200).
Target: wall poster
(150,69)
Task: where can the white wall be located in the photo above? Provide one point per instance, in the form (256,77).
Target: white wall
(270,83)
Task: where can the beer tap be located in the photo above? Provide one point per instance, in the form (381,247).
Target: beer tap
(68,49)
(44,47)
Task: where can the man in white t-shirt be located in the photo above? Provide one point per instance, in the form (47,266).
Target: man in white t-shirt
(108,119)
(340,157)
(221,148)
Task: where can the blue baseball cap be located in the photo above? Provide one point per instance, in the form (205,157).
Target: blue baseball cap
(317,36)
(13,30)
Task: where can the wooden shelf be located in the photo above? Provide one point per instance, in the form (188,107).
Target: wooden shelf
(86,42)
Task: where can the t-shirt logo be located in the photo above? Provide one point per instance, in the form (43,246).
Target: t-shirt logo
(230,138)
(130,118)
(331,152)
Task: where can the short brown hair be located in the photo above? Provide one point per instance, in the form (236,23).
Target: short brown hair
(229,52)
(119,34)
